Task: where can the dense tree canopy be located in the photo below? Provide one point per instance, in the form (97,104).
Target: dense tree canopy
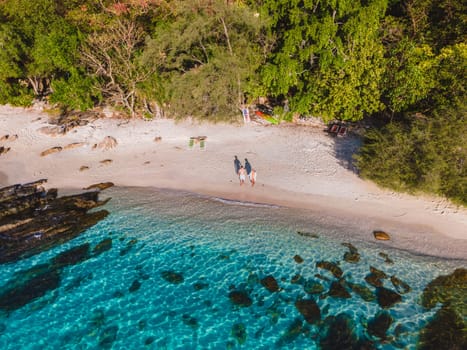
(399,63)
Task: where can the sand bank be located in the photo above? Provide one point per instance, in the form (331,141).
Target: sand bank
(297,165)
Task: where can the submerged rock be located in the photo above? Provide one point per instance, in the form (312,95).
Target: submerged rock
(400,285)
(337,334)
(362,291)
(386,258)
(387,298)
(22,292)
(190,321)
(172,277)
(308,234)
(312,287)
(298,259)
(448,289)
(352,256)
(330,266)
(379,325)
(309,310)
(134,286)
(102,246)
(72,256)
(239,333)
(240,298)
(107,337)
(292,333)
(270,283)
(447,330)
(337,290)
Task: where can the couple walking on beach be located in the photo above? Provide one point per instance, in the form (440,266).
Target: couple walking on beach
(243,172)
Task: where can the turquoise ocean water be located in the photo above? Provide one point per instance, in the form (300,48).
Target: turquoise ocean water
(121,298)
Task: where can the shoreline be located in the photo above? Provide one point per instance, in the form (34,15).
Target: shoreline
(298,167)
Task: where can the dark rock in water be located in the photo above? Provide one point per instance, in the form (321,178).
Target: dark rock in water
(332,267)
(447,330)
(387,298)
(375,277)
(190,321)
(374,280)
(338,333)
(172,277)
(312,287)
(292,333)
(142,324)
(337,290)
(400,285)
(72,256)
(107,337)
(149,340)
(102,246)
(307,234)
(309,310)
(270,283)
(239,333)
(352,257)
(364,292)
(387,260)
(298,259)
(22,292)
(118,294)
(297,279)
(351,247)
(378,273)
(100,186)
(134,286)
(240,298)
(379,325)
(449,289)
(200,285)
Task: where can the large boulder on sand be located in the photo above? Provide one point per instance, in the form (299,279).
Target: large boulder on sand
(381,235)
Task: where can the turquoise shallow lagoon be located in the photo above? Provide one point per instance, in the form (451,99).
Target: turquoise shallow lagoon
(176,257)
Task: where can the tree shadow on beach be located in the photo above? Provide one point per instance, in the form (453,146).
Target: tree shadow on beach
(345,148)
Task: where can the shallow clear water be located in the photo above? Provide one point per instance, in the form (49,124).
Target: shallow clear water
(217,246)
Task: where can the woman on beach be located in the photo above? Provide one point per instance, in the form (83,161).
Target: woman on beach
(252,177)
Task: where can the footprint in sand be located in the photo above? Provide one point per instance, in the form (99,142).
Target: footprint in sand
(106,161)
(83,168)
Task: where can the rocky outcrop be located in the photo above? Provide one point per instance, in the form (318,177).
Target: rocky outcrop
(309,310)
(33,219)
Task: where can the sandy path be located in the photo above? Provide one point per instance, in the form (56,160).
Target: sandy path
(298,166)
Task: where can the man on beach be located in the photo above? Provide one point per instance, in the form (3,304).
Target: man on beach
(242,175)
(237,165)
(247,167)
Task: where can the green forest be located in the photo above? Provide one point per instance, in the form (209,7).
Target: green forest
(398,64)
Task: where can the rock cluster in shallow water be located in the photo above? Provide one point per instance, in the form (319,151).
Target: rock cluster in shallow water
(33,219)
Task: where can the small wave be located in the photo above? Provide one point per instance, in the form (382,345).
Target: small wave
(246,204)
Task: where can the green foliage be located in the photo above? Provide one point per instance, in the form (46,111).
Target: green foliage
(75,92)
(208,54)
(425,154)
(328,59)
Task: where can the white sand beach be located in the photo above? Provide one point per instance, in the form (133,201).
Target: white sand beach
(297,166)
